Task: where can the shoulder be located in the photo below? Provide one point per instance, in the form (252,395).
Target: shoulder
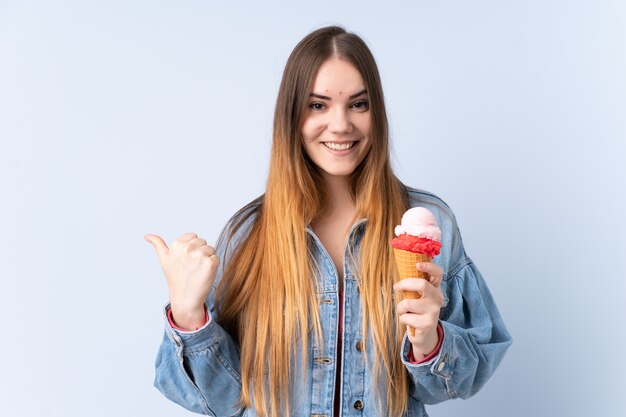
(236,231)
(422,198)
(452,254)
(240,224)
(417,196)
(246,214)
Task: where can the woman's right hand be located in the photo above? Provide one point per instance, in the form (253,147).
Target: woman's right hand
(190,266)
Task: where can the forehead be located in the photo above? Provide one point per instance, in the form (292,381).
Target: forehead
(337,76)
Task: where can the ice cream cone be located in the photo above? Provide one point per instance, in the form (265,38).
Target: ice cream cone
(406,262)
(418,239)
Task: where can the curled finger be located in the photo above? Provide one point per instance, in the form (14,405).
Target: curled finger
(411,284)
(412,306)
(207,250)
(197,242)
(186,237)
(416,321)
(434,271)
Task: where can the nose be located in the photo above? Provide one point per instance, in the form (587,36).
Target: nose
(340,121)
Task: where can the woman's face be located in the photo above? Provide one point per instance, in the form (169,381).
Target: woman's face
(336,130)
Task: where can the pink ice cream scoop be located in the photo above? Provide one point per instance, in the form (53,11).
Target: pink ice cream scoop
(419,222)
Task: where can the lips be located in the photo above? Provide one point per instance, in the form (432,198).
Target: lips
(339,146)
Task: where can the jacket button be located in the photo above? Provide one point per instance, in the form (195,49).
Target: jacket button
(358,405)
(359,346)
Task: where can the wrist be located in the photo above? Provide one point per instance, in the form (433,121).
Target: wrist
(425,347)
(188,318)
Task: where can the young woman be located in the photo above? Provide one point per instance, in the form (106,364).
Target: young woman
(294,313)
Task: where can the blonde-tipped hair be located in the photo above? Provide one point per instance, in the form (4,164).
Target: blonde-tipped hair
(266,298)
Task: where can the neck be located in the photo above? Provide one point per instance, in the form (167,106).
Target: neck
(339,200)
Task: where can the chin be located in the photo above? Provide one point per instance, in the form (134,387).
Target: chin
(338,172)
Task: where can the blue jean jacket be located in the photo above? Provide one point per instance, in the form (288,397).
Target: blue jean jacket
(200,370)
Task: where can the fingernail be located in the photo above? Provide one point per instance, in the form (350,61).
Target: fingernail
(419,265)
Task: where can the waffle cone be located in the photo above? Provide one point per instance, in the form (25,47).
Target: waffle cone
(406,261)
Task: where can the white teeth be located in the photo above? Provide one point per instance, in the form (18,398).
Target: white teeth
(339,146)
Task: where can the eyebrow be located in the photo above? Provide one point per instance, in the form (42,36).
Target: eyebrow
(360,93)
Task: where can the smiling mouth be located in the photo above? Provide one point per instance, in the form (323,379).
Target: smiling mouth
(339,146)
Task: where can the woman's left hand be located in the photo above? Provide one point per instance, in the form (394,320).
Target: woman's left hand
(422,314)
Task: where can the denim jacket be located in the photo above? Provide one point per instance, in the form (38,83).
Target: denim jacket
(200,370)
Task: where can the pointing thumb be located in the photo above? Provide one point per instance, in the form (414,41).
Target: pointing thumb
(158,244)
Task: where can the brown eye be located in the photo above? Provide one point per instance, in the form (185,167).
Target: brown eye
(316,106)
(361,105)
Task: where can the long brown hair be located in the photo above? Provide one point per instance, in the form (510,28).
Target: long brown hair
(270,280)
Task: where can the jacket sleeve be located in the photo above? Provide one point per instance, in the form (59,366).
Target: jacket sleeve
(200,370)
(475,340)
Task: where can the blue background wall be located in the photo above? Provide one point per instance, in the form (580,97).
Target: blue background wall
(120,118)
